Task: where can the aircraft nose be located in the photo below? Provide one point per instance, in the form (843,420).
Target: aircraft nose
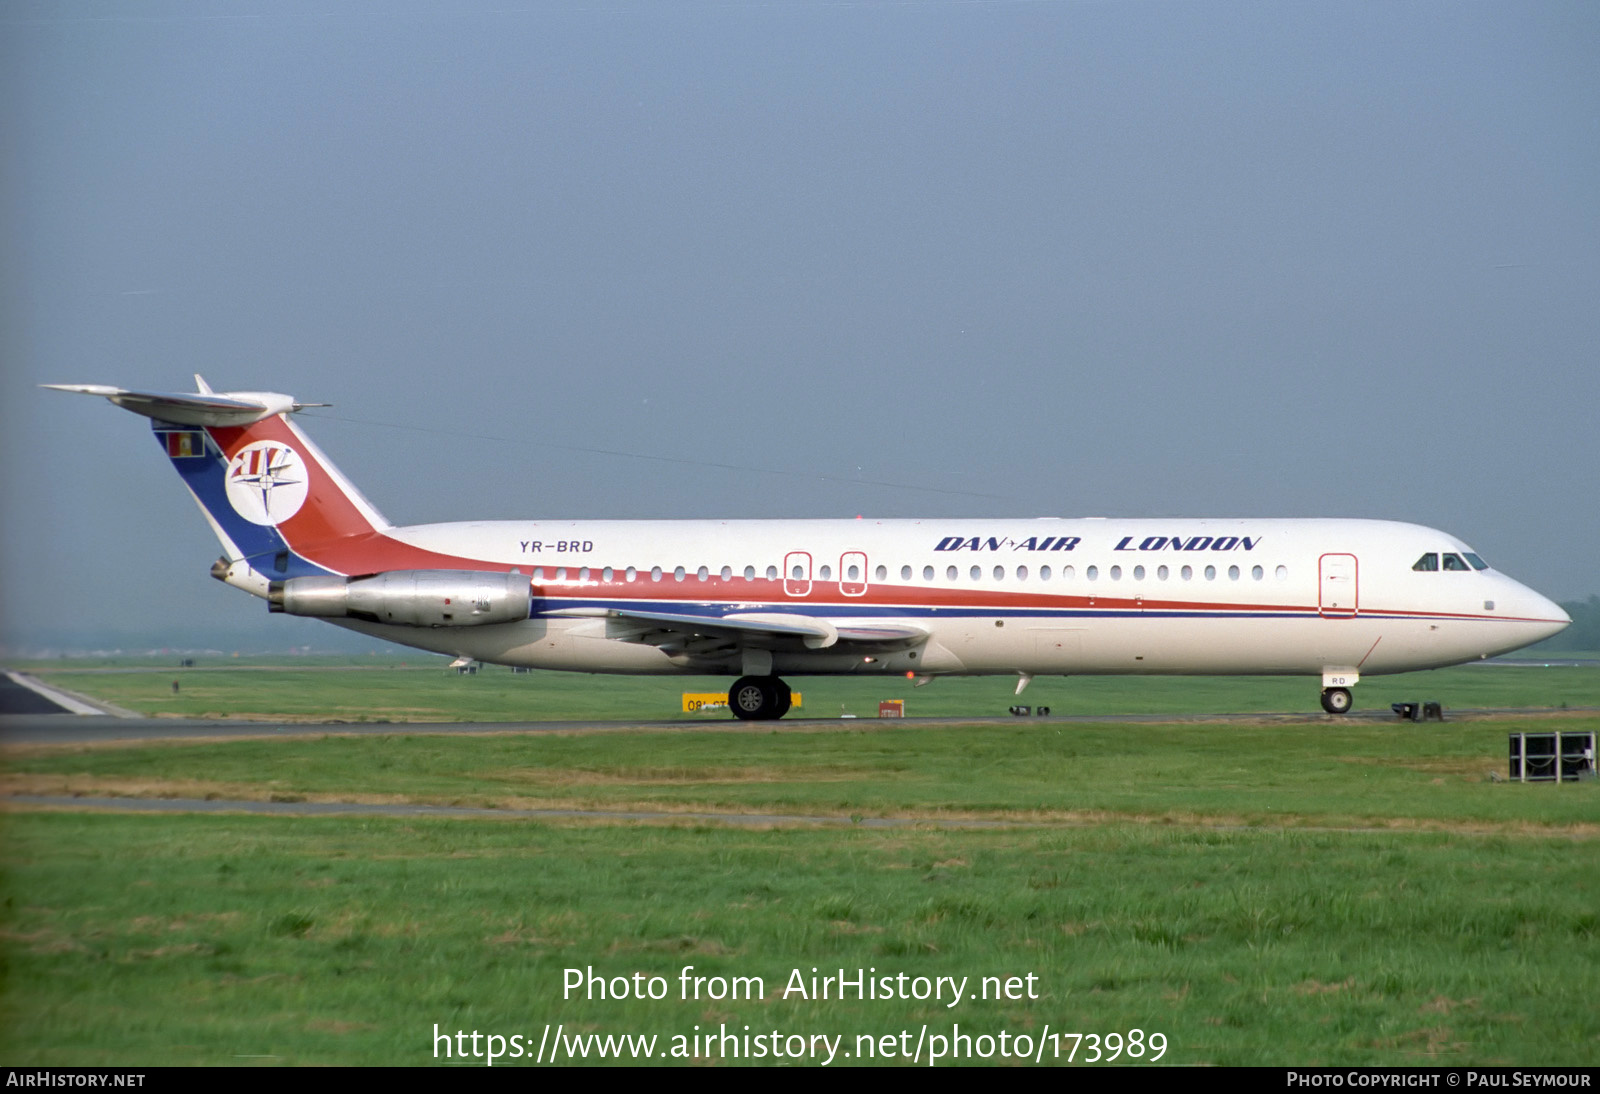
(1553,619)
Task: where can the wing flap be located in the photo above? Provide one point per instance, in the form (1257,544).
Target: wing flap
(761,630)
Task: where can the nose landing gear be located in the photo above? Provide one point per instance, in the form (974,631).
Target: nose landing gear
(1337,700)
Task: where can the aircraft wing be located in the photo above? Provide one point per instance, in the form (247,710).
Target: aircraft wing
(756,630)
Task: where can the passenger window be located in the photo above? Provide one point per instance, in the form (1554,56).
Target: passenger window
(977,573)
(827,573)
(927,573)
(772,573)
(1455,562)
(905,573)
(1427,562)
(749,573)
(1044,573)
(950,573)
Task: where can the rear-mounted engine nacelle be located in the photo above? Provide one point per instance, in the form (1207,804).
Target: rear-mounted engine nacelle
(414,598)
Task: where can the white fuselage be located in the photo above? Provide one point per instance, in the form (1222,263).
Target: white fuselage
(1048,596)
(768,598)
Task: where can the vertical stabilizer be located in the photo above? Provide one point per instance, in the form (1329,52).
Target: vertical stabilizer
(269,493)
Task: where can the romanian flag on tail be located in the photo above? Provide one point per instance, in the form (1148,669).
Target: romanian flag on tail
(186,443)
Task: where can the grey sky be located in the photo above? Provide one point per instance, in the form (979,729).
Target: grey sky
(1118,259)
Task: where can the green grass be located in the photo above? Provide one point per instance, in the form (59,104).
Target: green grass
(204,940)
(401,690)
(1339,892)
(1344,774)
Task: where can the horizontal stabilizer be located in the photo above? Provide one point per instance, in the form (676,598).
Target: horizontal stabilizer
(204,407)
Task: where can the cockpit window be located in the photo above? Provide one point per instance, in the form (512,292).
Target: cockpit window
(1455,562)
(1477,563)
(1428,561)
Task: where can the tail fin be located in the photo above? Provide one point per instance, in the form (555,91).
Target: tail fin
(270,495)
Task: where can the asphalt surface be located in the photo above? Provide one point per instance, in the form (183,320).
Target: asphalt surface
(17,699)
(360,809)
(46,729)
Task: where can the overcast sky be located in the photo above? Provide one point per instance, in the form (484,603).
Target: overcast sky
(1014,259)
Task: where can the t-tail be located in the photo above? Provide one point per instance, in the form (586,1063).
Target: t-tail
(279,507)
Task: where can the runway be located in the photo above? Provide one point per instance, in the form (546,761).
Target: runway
(361,809)
(21,693)
(36,729)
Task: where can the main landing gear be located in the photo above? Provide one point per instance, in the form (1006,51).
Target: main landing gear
(758,698)
(1337,700)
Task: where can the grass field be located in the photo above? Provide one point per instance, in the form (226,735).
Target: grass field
(217,939)
(1335,892)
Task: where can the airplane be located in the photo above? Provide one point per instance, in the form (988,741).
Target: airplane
(763,599)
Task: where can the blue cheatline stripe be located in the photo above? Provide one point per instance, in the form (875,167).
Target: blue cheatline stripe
(714,610)
(205,476)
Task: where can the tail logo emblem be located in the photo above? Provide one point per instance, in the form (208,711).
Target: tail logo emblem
(267,482)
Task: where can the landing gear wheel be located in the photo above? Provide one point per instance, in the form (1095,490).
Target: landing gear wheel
(1337,700)
(758,698)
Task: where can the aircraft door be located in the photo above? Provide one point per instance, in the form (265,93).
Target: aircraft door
(797,573)
(853,573)
(1339,592)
